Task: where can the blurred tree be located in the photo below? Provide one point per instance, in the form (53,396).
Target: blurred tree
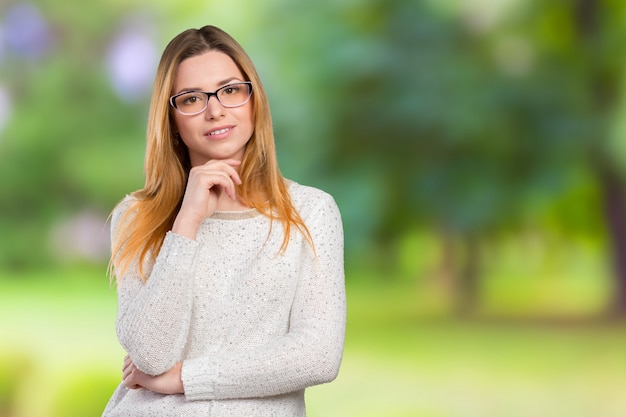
(600,39)
(71,143)
(430,119)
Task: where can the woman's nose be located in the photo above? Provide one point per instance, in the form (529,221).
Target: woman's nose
(214,109)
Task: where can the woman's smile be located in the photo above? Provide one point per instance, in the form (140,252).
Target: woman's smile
(219,133)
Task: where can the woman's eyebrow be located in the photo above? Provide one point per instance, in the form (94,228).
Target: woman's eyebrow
(228,80)
(221,84)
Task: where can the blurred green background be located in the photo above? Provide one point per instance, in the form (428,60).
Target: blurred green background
(476,148)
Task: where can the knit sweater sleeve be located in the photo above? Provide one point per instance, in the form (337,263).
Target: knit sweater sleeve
(311,351)
(153,317)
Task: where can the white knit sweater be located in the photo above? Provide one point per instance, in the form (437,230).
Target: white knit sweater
(253,327)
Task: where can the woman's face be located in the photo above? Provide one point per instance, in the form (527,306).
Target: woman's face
(217,132)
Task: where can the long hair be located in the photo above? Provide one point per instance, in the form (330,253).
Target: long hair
(143,226)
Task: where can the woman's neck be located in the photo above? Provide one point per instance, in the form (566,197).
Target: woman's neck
(225,203)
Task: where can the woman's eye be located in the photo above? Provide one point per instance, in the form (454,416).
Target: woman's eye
(230,90)
(191,99)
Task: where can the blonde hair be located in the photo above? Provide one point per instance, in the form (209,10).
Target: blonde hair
(153,210)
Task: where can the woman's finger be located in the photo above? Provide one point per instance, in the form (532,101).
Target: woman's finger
(207,179)
(132,376)
(227,166)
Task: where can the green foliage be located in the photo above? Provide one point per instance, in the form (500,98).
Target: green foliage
(416,117)
(70,142)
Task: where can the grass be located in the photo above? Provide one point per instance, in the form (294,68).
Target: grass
(59,347)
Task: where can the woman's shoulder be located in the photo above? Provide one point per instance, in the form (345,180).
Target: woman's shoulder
(125,204)
(122,208)
(305,197)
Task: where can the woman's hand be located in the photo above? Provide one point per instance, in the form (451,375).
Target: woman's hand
(205,186)
(169,382)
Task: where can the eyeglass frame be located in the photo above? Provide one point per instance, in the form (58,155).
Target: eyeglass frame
(210,94)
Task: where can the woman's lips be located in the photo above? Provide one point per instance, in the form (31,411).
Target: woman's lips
(219,133)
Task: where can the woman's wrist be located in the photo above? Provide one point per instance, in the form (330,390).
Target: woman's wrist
(178,378)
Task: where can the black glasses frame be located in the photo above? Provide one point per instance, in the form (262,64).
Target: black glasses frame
(209,94)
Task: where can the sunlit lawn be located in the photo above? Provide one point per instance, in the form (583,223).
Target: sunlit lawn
(59,357)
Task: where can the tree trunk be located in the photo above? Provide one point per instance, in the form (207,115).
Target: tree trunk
(614,193)
(459,272)
(469,277)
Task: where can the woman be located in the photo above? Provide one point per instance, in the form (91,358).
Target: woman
(231,297)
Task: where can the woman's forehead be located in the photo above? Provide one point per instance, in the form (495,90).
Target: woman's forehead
(208,70)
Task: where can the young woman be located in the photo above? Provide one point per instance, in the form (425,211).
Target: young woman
(230,280)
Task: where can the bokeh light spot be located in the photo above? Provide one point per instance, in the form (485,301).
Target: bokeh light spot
(131,63)
(26,33)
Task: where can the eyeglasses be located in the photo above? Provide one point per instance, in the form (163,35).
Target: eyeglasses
(195,102)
